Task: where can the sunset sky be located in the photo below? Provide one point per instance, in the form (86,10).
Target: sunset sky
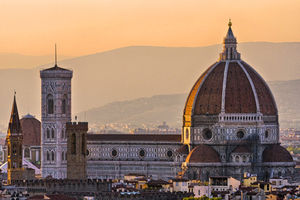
(81,27)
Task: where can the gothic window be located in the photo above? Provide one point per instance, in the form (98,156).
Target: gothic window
(50,104)
(83,151)
(73,144)
(48,156)
(52,133)
(237,159)
(244,159)
(62,134)
(64,104)
(48,133)
(52,155)
(62,155)
(266,134)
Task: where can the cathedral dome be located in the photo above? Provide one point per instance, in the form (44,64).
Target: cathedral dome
(203,154)
(31,128)
(230,86)
(276,153)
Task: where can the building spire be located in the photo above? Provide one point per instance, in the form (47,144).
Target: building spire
(55,56)
(14,126)
(229,46)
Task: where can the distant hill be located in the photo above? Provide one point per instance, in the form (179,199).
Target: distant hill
(169,108)
(141,71)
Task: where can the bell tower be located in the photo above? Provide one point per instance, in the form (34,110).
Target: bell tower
(56,112)
(14,140)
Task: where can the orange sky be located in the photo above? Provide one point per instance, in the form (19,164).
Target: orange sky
(88,26)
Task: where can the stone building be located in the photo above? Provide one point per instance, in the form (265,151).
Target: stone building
(230,126)
(56,111)
(230,122)
(76,150)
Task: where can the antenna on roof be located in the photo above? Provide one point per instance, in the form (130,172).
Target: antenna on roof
(55,55)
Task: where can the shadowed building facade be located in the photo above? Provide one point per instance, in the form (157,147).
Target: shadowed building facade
(76,150)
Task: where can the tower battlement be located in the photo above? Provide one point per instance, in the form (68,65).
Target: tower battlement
(83,126)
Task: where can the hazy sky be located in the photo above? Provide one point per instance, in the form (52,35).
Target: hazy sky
(88,26)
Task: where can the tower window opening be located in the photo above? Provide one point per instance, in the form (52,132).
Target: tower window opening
(64,105)
(73,144)
(48,133)
(52,133)
(62,155)
(52,155)
(48,156)
(83,150)
(50,104)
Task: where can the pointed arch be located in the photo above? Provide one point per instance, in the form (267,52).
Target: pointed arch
(50,104)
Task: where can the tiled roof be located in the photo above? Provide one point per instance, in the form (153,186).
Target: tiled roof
(56,68)
(206,95)
(276,153)
(134,137)
(203,154)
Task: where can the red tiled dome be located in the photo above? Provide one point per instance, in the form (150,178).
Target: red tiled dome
(31,128)
(203,154)
(229,86)
(276,153)
(206,95)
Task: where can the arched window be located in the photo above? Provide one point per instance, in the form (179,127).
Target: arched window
(52,133)
(27,152)
(244,159)
(48,155)
(52,155)
(62,155)
(237,159)
(62,134)
(83,150)
(48,133)
(64,104)
(73,144)
(50,104)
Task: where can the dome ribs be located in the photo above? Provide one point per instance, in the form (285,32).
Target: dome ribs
(209,97)
(239,97)
(190,100)
(265,97)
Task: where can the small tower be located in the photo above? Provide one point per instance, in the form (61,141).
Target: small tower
(77,150)
(14,140)
(229,46)
(56,112)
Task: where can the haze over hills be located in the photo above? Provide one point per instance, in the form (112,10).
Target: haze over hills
(143,71)
(154,110)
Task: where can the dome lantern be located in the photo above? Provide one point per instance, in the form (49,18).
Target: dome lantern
(229,46)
